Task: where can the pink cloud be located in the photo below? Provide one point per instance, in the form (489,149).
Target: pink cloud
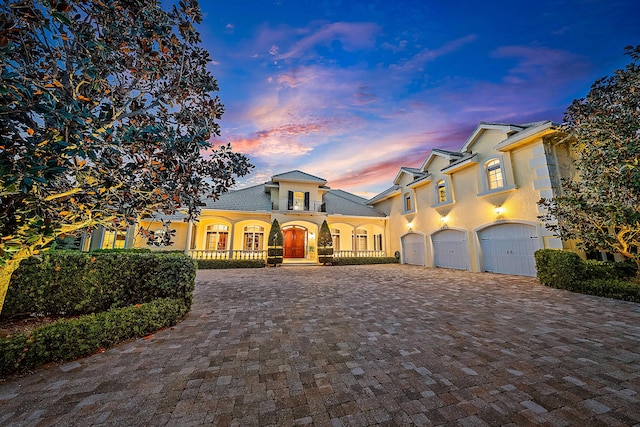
(427,55)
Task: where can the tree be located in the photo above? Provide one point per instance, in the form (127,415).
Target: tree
(106,109)
(600,207)
(325,243)
(275,242)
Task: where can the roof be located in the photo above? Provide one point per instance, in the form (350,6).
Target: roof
(246,199)
(338,202)
(536,130)
(389,192)
(298,176)
(414,172)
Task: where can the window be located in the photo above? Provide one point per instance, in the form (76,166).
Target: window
(441,188)
(494,175)
(335,237)
(407,202)
(114,239)
(361,239)
(298,201)
(253,237)
(217,237)
(377,242)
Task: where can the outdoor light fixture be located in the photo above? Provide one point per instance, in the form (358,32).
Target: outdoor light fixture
(410,225)
(499,210)
(444,219)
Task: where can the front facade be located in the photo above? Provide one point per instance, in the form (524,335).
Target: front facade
(237,225)
(473,209)
(476,209)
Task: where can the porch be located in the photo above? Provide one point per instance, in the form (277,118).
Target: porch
(244,254)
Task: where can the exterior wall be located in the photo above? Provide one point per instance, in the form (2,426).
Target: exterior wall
(315,196)
(470,206)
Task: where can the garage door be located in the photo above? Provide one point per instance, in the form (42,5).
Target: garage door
(509,248)
(414,249)
(451,249)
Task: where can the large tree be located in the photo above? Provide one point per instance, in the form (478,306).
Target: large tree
(600,207)
(106,110)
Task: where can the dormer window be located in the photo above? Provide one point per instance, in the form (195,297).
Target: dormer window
(495,177)
(441,188)
(298,201)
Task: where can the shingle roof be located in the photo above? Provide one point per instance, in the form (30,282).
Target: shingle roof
(246,199)
(342,203)
(386,193)
(297,175)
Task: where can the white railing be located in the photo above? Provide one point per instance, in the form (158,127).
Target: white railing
(199,254)
(346,254)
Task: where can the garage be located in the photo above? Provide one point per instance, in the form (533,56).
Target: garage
(414,249)
(509,249)
(451,249)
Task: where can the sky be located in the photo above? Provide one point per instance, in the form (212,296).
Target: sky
(352,90)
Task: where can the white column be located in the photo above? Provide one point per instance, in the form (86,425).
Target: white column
(187,245)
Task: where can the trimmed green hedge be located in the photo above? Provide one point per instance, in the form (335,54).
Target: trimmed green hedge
(364,260)
(70,339)
(566,270)
(209,264)
(72,283)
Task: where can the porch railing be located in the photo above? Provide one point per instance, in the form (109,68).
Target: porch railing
(345,254)
(231,254)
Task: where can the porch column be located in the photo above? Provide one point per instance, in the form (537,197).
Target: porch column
(187,244)
(231,238)
(354,242)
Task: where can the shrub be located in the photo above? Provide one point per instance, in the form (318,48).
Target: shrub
(611,288)
(275,255)
(71,283)
(209,264)
(70,339)
(364,260)
(559,269)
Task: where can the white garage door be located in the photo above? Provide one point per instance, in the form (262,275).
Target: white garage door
(509,248)
(451,249)
(414,249)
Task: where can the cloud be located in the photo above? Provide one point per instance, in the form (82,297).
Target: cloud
(419,60)
(352,36)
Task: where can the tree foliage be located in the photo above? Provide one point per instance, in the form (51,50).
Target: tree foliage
(600,207)
(276,238)
(324,236)
(106,109)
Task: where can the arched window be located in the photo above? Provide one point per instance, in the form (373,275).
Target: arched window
(495,177)
(335,237)
(253,238)
(441,188)
(217,237)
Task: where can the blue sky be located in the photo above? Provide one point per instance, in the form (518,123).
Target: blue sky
(352,90)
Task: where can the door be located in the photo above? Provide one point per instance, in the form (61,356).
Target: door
(509,249)
(414,249)
(294,242)
(451,249)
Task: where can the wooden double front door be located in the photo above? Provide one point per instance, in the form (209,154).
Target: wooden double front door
(294,242)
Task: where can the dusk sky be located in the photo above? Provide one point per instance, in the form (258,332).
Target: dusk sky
(351,90)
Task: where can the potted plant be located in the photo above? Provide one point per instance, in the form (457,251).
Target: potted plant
(325,245)
(275,242)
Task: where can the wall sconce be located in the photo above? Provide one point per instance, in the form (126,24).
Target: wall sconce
(312,235)
(444,219)
(499,210)
(410,225)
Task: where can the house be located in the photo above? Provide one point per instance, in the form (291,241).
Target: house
(237,225)
(476,209)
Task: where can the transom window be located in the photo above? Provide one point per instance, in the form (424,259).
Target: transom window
(442,191)
(253,238)
(495,178)
(217,236)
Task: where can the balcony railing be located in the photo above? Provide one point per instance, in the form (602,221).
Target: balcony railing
(231,254)
(346,254)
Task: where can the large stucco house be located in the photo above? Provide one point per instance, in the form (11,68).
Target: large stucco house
(473,209)
(476,208)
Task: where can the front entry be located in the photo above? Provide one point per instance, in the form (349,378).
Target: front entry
(294,241)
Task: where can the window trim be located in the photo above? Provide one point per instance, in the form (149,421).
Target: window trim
(491,168)
(408,202)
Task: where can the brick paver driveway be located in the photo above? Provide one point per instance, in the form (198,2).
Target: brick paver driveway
(381,345)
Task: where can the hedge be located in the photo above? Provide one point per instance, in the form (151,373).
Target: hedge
(73,283)
(364,260)
(209,264)
(70,339)
(566,270)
